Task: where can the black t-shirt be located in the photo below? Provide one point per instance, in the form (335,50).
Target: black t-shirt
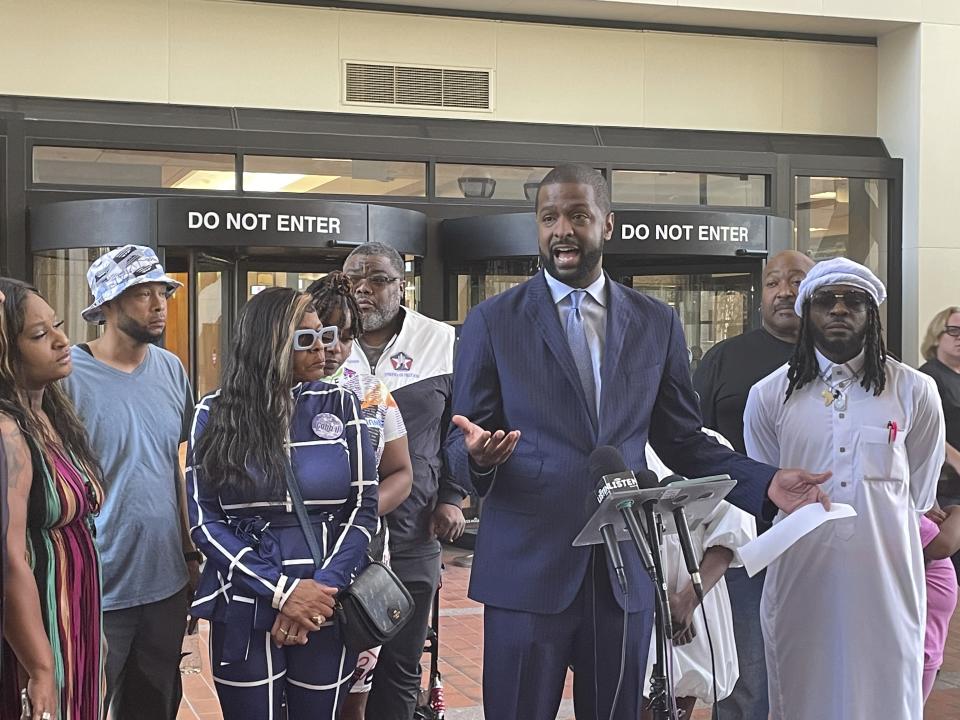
(727,372)
(948,384)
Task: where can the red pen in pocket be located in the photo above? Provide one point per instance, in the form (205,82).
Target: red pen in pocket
(892,435)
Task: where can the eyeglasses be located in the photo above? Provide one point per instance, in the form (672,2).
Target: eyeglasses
(306,339)
(377,281)
(826,301)
(952,330)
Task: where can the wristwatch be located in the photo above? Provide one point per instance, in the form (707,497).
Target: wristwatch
(193,556)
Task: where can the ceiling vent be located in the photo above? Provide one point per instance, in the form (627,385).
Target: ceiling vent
(410,86)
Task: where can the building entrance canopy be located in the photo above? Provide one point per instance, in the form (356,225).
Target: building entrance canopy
(219,222)
(703,234)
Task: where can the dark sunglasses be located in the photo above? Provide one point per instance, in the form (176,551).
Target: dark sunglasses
(826,301)
(952,330)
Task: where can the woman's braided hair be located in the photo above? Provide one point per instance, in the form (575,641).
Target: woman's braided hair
(334,292)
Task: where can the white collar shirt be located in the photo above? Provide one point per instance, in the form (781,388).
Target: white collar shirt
(840,598)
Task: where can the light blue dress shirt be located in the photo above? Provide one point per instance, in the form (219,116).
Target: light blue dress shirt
(593,309)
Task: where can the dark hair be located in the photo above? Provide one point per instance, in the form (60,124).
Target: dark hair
(804,367)
(243,446)
(579,175)
(378,249)
(334,292)
(14,400)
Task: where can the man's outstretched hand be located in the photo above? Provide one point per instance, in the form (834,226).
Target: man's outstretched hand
(791,489)
(487,449)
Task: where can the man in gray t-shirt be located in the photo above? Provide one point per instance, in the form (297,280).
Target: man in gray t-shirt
(136,403)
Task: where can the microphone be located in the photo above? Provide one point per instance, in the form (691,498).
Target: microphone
(686,545)
(614,480)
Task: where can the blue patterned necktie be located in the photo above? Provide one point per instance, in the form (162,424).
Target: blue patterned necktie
(577,339)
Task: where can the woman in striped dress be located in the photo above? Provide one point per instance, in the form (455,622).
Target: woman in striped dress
(268,602)
(52,588)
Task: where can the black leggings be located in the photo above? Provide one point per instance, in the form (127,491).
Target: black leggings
(396,679)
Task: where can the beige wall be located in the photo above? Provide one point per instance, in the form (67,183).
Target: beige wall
(919,103)
(246,54)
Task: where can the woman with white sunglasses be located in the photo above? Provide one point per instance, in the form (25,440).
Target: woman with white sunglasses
(269,603)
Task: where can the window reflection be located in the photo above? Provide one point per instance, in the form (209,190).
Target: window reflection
(844,217)
(258,281)
(489,182)
(648,187)
(712,307)
(265,173)
(133,168)
(61,277)
(475,282)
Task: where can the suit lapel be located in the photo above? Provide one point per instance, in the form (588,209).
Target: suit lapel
(611,387)
(542,311)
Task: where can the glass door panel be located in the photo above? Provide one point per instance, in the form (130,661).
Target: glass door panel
(212,298)
(474,282)
(176,339)
(61,277)
(258,280)
(711,306)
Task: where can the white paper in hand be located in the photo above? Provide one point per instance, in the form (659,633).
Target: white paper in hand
(766,548)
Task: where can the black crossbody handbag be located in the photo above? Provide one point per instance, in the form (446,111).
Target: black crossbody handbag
(374,607)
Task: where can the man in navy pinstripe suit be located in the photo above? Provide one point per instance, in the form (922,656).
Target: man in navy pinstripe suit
(545,373)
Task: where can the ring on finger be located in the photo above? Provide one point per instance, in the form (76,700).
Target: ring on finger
(46,716)
(284,631)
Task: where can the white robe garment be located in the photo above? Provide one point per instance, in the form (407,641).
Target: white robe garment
(843,609)
(727,526)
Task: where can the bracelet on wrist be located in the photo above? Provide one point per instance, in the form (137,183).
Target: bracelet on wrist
(193,556)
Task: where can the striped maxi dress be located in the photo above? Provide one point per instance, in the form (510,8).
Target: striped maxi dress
(66,566)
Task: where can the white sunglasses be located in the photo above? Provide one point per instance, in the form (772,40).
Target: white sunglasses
(306,339)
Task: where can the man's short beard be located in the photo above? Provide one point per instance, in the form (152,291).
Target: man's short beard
(588,262)
(128,326)
(838,348)
(378,318)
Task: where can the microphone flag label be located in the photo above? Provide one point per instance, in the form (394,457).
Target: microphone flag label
(618,482)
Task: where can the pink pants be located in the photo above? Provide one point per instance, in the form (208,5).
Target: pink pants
(929,676)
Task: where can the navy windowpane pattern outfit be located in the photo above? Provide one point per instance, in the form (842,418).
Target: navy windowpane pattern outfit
(257,554)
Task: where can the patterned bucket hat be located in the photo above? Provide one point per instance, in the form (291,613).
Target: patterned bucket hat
(119,269)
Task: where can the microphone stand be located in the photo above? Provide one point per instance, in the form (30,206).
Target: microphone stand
(662,704)
(655,506)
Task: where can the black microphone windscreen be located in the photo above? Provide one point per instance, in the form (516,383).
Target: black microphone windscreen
(647,479)
(606,460)
(671,479)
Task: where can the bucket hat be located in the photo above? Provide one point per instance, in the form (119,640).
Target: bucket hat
(112,273)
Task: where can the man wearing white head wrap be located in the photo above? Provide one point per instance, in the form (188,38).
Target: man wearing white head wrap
(840,271)
(843,608)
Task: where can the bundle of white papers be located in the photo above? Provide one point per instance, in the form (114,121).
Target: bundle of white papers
(766,548)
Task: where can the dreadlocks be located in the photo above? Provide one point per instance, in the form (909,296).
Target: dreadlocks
(333,292)
(804,367)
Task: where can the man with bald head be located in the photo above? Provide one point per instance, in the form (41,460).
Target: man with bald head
(730,368)
(723,381)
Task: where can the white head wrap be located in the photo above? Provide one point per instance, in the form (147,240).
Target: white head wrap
(840,271)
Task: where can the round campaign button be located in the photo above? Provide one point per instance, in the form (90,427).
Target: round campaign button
(327,426)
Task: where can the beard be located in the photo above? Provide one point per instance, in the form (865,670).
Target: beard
(846,347)
(377,318)
(589,261)
(140,333)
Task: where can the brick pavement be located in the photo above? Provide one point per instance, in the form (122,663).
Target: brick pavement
(461,652)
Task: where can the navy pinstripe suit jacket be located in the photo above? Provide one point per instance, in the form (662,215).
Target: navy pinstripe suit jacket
(514,370)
